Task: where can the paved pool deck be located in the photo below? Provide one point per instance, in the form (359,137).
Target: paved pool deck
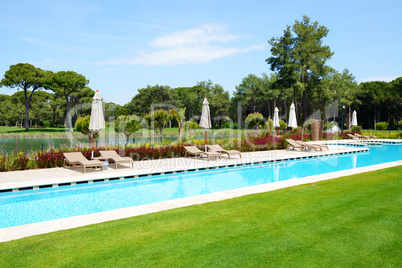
(19,180)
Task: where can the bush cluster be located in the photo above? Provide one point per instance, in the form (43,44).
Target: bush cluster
(381,126)
(356,129)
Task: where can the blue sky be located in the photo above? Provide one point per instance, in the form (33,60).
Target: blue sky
(121,46)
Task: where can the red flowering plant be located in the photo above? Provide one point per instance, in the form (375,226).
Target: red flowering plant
(328,135)
(263,141)
(153,152)
(53,158)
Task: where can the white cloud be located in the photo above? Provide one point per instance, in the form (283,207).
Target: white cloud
(191,46)
(202,35)
(184,55)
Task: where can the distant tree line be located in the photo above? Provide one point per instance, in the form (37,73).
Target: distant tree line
(300,75)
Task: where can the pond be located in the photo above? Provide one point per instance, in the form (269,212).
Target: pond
(29,144)
(36,144)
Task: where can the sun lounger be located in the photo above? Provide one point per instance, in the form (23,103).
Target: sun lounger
(219,149)
(362,137)
(352,136)
(113,157)
(313,145)
(293,144)
(78,159)
(193,150)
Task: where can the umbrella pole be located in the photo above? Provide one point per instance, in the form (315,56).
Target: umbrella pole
(277,131)
(93,141)
(205,140)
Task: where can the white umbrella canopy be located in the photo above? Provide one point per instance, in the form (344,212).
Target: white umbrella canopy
(276,119)
(292,117)
(354,118)
(97,121)
(205,120)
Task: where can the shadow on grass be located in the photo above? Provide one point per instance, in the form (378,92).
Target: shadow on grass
(32,130)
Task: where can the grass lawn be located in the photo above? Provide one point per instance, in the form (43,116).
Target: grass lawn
(353,221)
(21,130)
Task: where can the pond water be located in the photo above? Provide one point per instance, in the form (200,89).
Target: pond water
(8,145)
(35,144)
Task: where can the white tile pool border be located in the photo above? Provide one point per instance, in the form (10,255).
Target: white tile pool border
(18,232)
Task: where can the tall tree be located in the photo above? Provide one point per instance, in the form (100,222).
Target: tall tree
(282,60)
(40,107)
(192,97)
(55,103)
(256,94)
(218,100)
(152,96)
(6,110)
(395,89)
(301,56)
(17,100)
(27,77)
(373,97)
(249,93)
(270,93)
(335,87)
(65,84)
(81,102)
(112,111)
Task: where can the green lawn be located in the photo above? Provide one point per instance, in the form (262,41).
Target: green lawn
(21,130)
(352,221)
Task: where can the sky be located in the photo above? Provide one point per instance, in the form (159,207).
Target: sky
(122,46)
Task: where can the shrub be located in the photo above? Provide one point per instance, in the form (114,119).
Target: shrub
(282,125)
(381,126)
(190,125)
(229,124)
(253,120)
(329,125)
(356,129)
(21,161)
(307,125)
(3,163)
(82,125)
(45,123)
(382,134)
(269,125)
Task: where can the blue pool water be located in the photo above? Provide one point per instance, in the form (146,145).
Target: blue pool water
(30,206)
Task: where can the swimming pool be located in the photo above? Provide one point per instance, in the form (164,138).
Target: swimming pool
(44,204)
